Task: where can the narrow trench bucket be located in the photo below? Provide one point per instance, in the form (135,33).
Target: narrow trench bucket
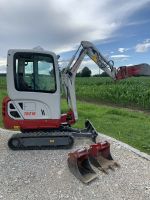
(79,165)
(100,156)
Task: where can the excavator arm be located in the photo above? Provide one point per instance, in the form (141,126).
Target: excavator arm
(90,50)
(87,48)
(69,74)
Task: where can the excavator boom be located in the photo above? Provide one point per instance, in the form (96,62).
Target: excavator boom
(88,49)
(69,74)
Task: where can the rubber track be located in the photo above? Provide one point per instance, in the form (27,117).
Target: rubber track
(48,135)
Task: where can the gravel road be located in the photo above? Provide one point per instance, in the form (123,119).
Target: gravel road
(44,175)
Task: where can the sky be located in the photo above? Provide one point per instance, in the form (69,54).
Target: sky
(119,29)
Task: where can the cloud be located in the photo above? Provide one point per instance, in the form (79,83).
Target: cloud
(139,22)
(2,69)
(143,47)
(130,64)
(120,57)
(2,61)
(61,24)
(122,50)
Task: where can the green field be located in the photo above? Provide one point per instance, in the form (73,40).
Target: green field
(132,127)
(132,92)
(2,83)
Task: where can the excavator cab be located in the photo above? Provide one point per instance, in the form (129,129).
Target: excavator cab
(33,87)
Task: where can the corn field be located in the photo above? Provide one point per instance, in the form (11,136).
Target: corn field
(133,92)
(130,92)
(2,82)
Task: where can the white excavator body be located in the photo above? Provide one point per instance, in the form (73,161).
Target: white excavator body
(33,84)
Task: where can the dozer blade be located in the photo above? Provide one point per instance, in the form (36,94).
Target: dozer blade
(79,165)
(100,157)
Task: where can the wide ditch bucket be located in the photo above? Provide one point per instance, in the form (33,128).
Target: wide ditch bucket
(100,156)
(79,165)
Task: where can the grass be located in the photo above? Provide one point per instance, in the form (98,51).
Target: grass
(2,82)
(132,92)
(130,127)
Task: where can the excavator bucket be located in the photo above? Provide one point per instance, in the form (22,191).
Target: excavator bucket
(100,156)
(79,165)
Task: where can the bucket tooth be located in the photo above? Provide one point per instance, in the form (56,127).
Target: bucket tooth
(100,157)
(79,165)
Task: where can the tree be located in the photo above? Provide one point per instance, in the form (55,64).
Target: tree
(103,74)
(86,72)
(78,74)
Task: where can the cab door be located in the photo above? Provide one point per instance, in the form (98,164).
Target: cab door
(33,84)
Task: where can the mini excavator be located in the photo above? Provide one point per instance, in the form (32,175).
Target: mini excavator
(33,105)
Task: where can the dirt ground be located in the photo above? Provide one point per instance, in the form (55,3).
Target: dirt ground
(43,175)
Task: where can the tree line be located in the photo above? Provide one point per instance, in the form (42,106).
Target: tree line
(86,72)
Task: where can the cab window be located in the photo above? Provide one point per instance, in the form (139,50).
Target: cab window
(34,72)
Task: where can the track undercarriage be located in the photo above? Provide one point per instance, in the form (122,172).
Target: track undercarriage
(61,138)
